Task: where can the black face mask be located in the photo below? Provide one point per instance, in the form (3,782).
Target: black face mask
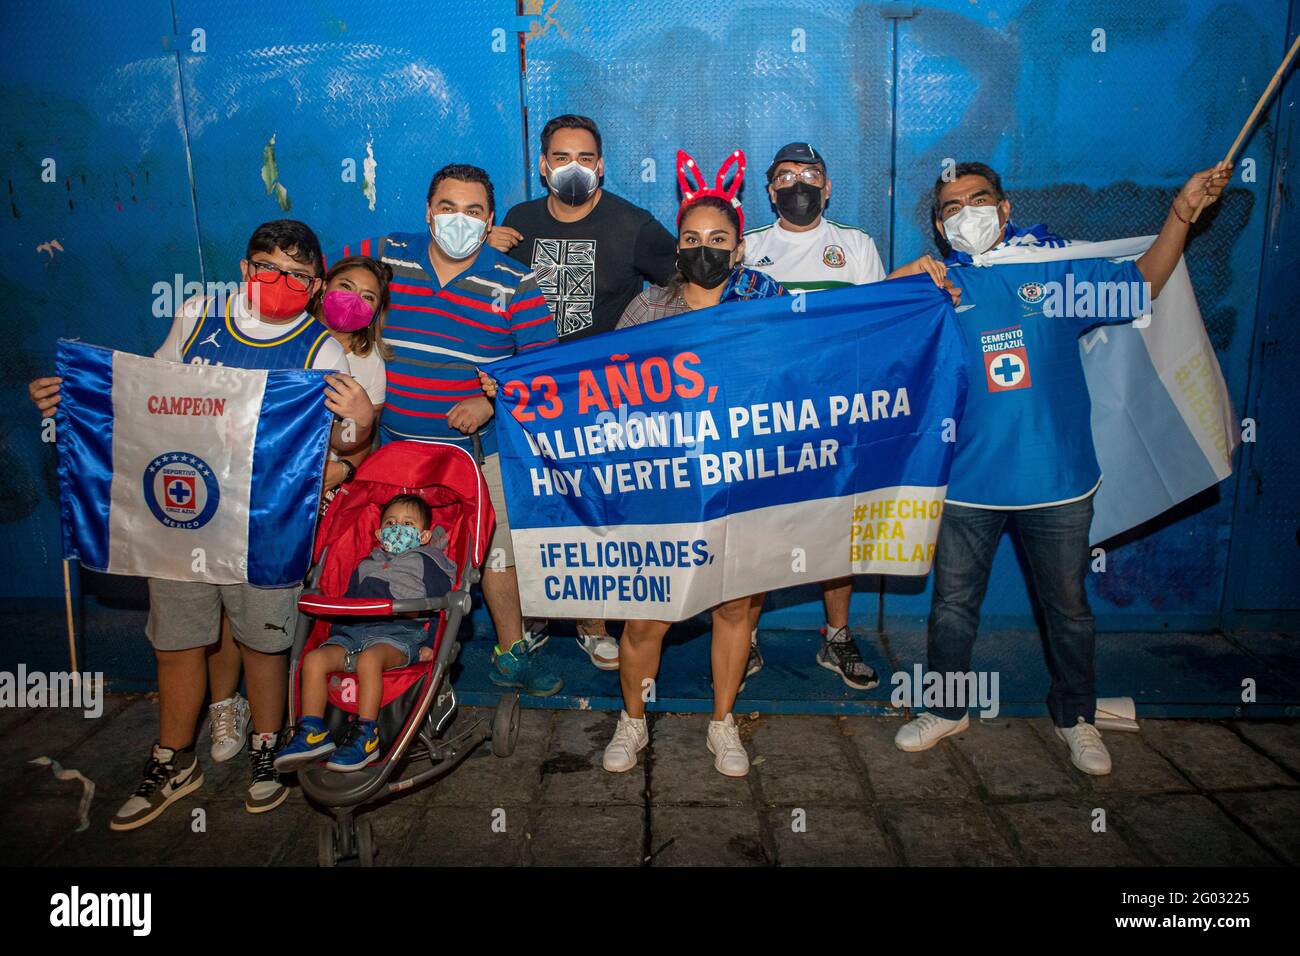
(800,203)
(705,266)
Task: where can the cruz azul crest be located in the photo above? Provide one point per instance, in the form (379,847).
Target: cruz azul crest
(181,490)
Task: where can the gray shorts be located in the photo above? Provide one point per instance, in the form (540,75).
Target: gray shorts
(187,614)
(501,550)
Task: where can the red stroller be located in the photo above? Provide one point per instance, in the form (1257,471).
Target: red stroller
(418,702)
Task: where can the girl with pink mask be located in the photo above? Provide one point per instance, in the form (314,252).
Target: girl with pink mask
(352,305)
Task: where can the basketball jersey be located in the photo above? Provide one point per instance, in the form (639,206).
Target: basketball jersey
(216,340)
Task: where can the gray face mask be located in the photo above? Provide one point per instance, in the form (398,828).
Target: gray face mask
(572,183)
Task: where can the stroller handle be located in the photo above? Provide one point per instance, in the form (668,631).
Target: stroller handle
(314,603)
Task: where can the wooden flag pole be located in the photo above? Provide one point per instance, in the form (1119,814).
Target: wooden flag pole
(1259,107)
(67,605)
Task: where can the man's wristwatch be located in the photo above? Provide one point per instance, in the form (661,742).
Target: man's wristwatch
(352,470)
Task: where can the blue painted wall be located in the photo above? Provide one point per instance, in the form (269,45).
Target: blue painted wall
(1093,143)
(158,152)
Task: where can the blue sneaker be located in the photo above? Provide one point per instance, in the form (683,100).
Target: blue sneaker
(309,744)
(359,749)
(517,669)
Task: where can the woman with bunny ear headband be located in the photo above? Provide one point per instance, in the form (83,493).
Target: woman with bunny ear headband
(710,250)
(709,253)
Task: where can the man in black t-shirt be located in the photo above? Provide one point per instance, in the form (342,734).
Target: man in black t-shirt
(591,251)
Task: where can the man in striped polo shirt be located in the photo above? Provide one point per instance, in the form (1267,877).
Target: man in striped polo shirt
(459,305)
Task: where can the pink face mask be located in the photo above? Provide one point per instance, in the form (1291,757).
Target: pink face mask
(345,311)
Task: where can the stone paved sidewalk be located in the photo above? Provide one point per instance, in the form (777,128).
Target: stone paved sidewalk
(823,790)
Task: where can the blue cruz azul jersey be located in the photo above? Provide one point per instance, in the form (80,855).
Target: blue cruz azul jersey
(1025,439)
(216,340)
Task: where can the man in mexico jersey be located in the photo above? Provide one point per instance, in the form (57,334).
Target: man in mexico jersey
(803,250)
(806,252)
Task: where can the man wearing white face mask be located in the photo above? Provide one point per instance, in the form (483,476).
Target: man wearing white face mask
(592,252)
(458,305)
(1024,452)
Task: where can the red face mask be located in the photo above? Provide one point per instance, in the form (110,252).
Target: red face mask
(271,296)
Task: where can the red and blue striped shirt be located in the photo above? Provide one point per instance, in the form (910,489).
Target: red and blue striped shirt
(440,334)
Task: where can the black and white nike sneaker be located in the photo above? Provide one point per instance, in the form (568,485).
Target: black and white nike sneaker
(168,776)
(840,654)
(265,789)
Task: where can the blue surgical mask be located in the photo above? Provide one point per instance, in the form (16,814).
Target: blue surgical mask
(457,234)
(397,538)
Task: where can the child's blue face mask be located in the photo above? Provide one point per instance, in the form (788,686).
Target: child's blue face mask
(396,538)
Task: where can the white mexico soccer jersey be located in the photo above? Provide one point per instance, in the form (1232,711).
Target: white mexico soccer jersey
(830,256)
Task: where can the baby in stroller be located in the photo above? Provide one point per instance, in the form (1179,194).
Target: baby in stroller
(411,562)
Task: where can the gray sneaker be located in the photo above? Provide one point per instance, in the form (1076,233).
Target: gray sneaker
(840,654)
(168,776)
(265,789)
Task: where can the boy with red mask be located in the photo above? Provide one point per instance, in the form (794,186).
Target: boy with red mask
(264,325)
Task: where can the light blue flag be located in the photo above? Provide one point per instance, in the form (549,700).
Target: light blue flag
(188,472)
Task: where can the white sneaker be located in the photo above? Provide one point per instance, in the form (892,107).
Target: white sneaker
(729,753)
(1087,752)
(229,726)
(630,737)
(927,730)
(601,648)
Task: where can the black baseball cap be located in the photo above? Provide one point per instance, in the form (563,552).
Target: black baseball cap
(796,153)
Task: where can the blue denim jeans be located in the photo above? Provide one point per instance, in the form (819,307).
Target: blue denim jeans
(407,636)
(1055,540)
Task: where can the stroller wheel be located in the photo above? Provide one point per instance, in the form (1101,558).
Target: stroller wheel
(365,843)
(326,855)
(505,725)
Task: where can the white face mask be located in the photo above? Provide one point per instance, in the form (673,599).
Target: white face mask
(457,234)
(973,229)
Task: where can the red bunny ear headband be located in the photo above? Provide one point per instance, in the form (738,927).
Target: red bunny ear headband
(692,192)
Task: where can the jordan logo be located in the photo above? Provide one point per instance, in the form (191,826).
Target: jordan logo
(212,339)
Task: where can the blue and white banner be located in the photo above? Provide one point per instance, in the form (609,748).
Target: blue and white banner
(656,471)
(189,472)
(1162,419)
